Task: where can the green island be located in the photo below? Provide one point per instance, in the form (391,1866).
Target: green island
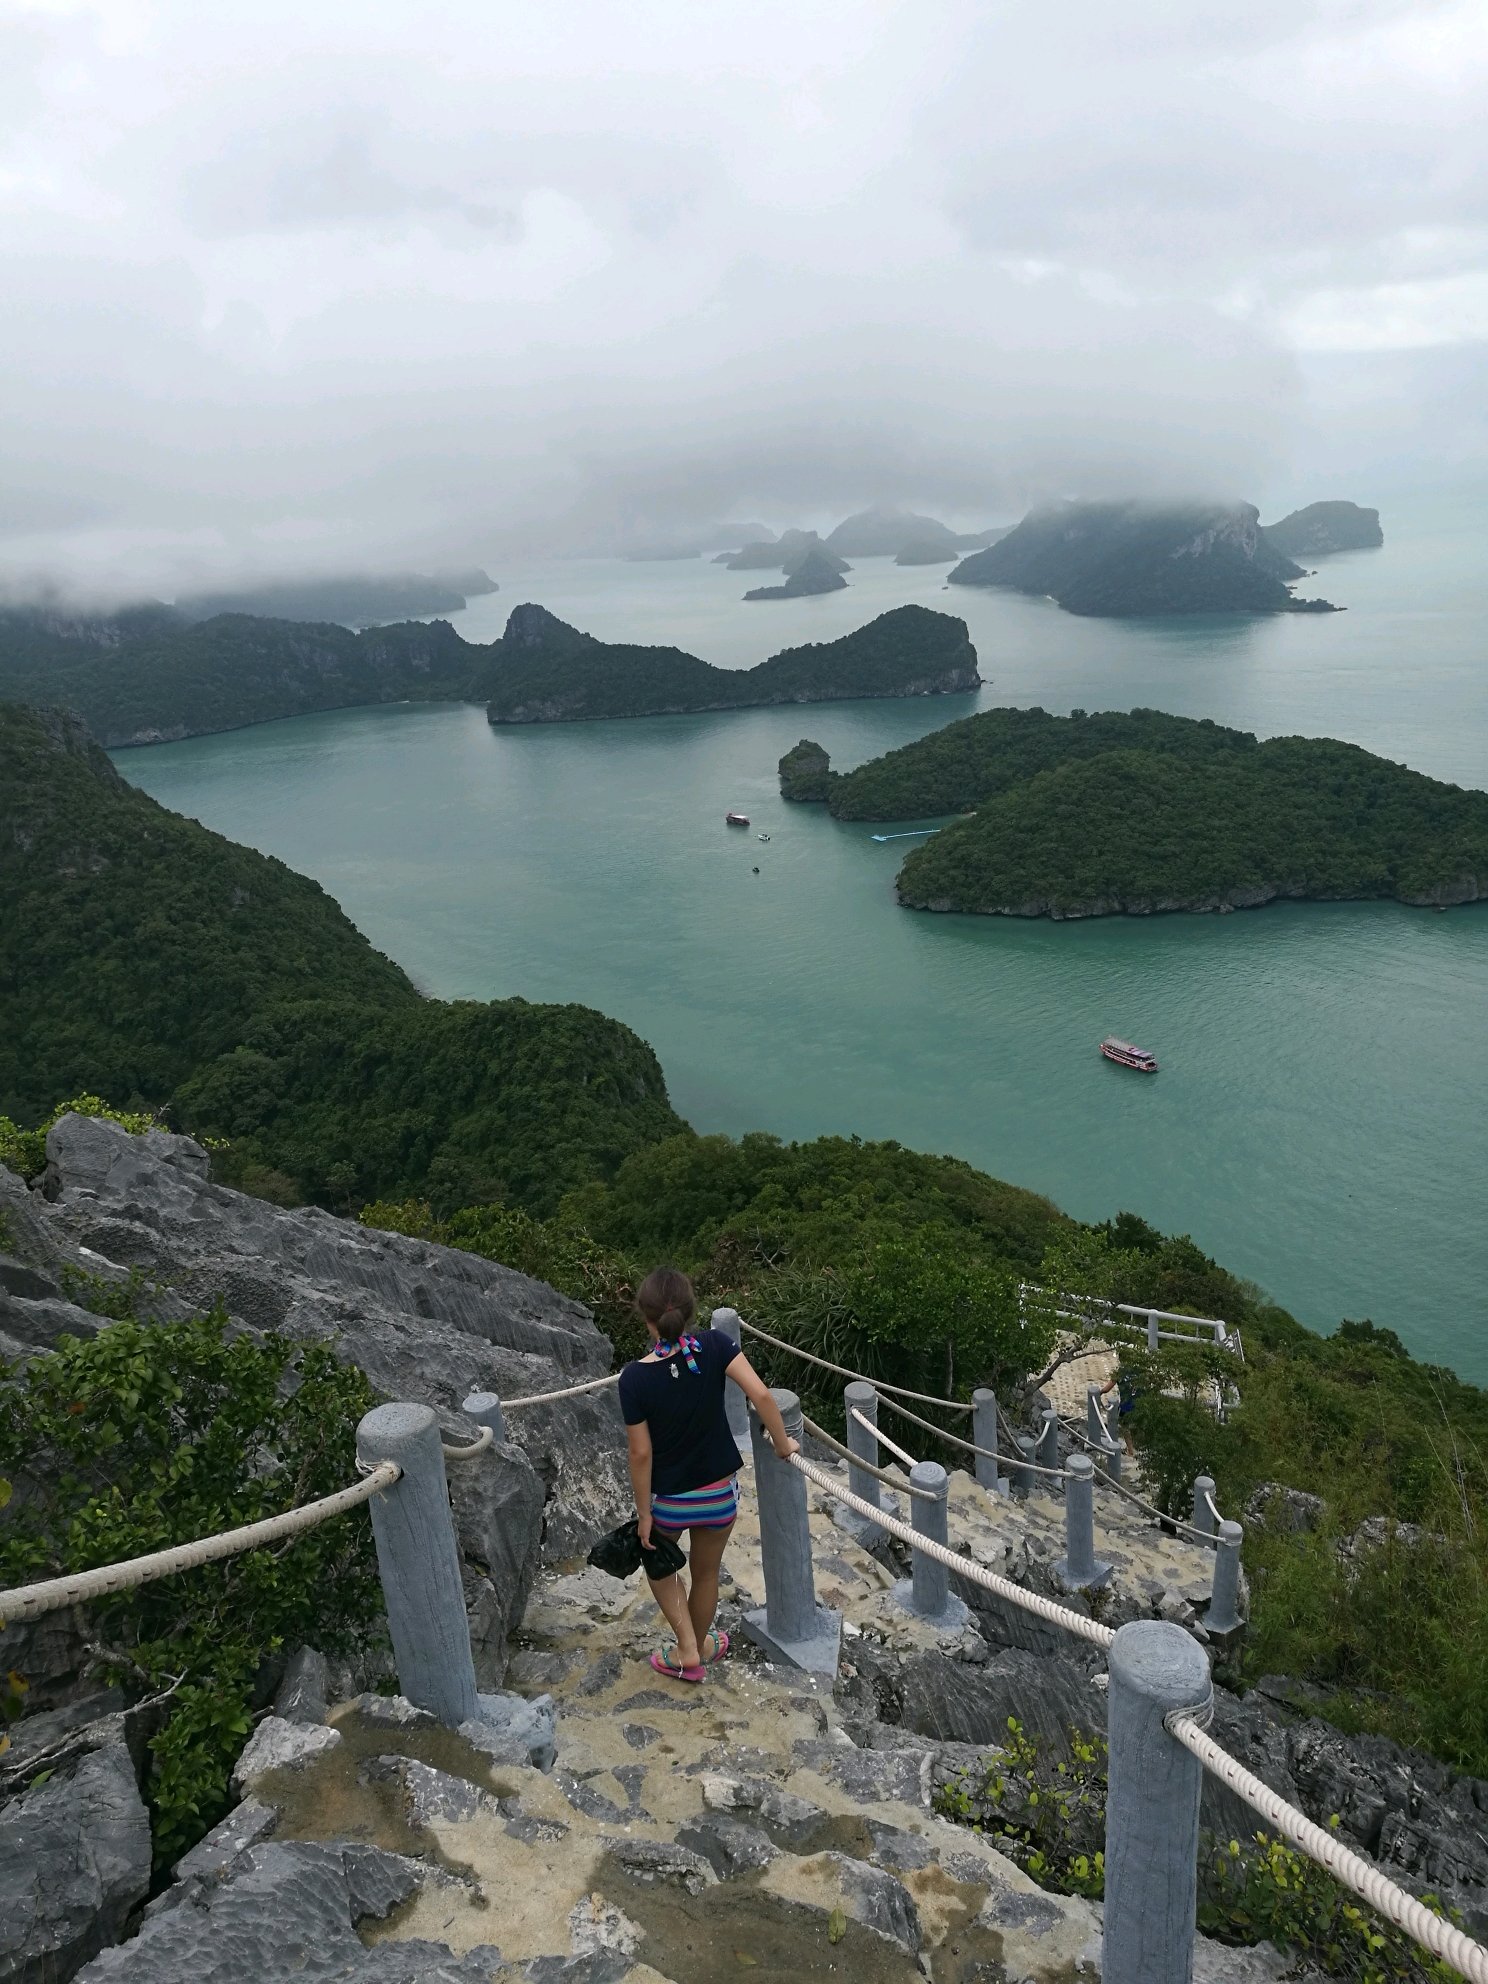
(357,598)
(549,673)
(191,979)
(147,957)
(150,675)
(1323,528)
(1121,560)
(818,571)
(1140,812)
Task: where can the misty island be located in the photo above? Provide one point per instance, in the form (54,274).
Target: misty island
(1126,560)
(1139,813)
(151,674)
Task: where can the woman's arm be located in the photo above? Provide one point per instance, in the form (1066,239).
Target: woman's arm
(762,1399)
(638,1456)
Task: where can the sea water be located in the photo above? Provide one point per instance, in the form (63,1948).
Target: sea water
(1318,1123)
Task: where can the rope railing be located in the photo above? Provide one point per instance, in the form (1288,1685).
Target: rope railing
(882,1437)
(33,1601)
(1431,1931)
(825,1364)
(570,1391)
(970,1446)
(1029,1601)
(485,1438)
(894,1481)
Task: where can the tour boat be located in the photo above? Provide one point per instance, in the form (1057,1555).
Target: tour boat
(736,819)
(762,836)
(1127,1056)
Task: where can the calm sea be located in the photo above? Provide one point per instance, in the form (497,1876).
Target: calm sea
(1319,1121)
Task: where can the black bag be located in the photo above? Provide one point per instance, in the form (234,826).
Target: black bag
(621,1553)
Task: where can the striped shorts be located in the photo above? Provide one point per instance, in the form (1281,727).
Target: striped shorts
(713,1507)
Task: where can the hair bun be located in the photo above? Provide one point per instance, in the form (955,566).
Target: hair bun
(669,1319)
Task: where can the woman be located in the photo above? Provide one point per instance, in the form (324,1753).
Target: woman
(683,1458)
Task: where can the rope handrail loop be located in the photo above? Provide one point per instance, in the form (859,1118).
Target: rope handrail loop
(478,1445)
(987,1453)
(551,1398)
(32,1601)
(1029,1601)
(895,1391)
(1431,1931)
(894,1481)
(883,1439)
(1212,1506)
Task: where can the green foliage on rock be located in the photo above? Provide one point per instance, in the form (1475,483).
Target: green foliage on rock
(157,963)
(550,673)
(156,1433)
(24,1151)
(805,772)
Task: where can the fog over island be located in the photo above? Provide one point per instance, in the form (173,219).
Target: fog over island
(303,298)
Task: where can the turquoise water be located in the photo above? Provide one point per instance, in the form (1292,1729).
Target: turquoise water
(1318,1123)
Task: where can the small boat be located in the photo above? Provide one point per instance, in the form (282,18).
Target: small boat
(762,836)
(736,819)
(1126,1056)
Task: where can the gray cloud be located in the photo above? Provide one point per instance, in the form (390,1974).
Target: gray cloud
(291,290)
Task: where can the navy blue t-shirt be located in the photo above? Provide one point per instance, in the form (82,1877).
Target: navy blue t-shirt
(691,1444)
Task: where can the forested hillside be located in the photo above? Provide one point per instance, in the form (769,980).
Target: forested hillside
(151,960)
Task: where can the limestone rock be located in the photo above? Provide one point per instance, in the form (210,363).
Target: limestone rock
(728,1845)
(659,1864)
(74,1861)
(509,1729)
(863,1893)
(303,1693)
(243,1827)
(280,1745)
(788,1819)
(1290,1510)
(1049,1697)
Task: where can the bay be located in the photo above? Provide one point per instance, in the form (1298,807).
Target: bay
(1318,1124)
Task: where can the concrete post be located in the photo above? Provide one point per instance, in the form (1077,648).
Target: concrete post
(485,1409)
(1152,1806)
(790,1625)
(419,1563)
(1112,1454)
(1152,1330)
(1203,1516)
(927,1591)
(1021,1481)
(1096,1430)
(1078,1569)
(1046,1453)
(735,1405)
(984,1434)
(862,1395)
(1223,1615)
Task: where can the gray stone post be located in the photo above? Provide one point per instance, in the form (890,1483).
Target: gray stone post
(862,1395)
(485,1409)
(735,1405)
(1019,1477)
(790,1625)
(1046,1453)
(984,1434)
(1223,1615)
(419,1563)
(1152,1806)
(1078,1569)
(1095,1419)
(927,1591)
(1203,1518)
(1152,1330)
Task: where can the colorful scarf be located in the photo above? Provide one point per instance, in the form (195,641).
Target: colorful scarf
(686,1345)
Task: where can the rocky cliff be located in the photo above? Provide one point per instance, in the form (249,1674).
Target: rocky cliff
(1321,528)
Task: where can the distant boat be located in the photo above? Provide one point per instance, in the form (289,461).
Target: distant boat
(762,836)
(1126,1056)
(736,819)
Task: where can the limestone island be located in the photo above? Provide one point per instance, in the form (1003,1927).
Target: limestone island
(1137,813)
(784,554)
(551,673)
(1130,560)
(355,600)
(885,532)
(817,572)
(1326,527)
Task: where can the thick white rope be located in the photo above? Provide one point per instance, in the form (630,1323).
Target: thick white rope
(1029,1601)
(1366,1880)
(31,1601)
(478,1445)
(1213,1508)
(883,1439)
(878,1473)
(894,1391)
(987,1453)
(551,1398)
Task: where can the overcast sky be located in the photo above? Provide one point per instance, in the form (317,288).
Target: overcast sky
(292,285)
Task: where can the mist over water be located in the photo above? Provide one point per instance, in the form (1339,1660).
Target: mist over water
(1317,1123)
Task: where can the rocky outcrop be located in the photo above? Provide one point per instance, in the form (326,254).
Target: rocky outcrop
(74,1862)
(805,772)
(816,572)
(1322,528)
(426,1323)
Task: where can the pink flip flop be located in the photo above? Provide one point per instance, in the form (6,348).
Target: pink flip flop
(721,1645)
(693,1674)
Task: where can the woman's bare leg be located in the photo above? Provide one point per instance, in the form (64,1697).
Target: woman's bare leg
(708,1546)
(673,1601)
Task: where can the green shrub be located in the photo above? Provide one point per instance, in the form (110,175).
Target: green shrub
(24,1151)
(153,1434)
